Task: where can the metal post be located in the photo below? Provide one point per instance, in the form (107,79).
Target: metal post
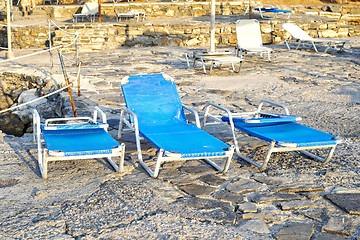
(78,69)
(50,46)
(212,27)
(9,53)
(99,11)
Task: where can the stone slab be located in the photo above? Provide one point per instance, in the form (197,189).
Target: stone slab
(330,236)
(349,202)
(242,186)
(296,231)
(297,205)
(212,179)
(268,180)
(229,196)
(198,190)
(299,187)
(256,225)
(268,197)
(340,225)
(248,207)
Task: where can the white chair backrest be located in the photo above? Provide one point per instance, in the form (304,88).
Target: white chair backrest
(248,33)
(296,32)
(90,8)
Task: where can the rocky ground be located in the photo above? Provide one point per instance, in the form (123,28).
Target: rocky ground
(294,198)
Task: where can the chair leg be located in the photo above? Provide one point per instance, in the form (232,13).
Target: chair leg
(314,47)
(318,158)
(226,165)
(44,164)
(158,163)
(267,158)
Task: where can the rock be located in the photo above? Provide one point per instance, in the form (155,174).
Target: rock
(297,204)
(268,180)
(349,202)
(203,170)
(198,190)
(169,173)
(8,182)
(297,231)
(11,124)
(329,236)
(212,179)
(256,225)
(265,215)
(229,196)
(339,190)
(340,225)
(247,207)
(315,214)
(1,137)
(243,186)
(268,197)
(298,187)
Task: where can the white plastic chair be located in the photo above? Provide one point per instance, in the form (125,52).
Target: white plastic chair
(297,35)
(89,11)
(249,38)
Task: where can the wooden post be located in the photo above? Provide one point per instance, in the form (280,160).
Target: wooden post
(250,10)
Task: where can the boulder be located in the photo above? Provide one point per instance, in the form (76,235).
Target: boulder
(11,123)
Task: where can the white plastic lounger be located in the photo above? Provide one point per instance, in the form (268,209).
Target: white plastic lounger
(249,38)
(89,11)
(127,15)
(215,59)
(297,35)
(75,138)
(281,131)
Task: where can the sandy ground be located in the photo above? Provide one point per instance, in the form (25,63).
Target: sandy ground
(87,200)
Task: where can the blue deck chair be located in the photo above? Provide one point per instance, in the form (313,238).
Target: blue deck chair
(156,113)
(75,138)
(280,130)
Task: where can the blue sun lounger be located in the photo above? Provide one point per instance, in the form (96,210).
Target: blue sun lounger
(156,113)
(280,130)
(75,138)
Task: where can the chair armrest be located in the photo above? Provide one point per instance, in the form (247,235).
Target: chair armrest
(36,126)
(101,113)
(197,119)
(273,103)
(207,112)
(127,123)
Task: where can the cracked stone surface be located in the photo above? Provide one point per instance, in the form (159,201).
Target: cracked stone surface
(294,198)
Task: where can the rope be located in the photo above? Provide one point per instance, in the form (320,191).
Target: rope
(37,99)
(62,29)
(36,53)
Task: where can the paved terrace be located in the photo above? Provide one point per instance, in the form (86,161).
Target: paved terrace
(295,197)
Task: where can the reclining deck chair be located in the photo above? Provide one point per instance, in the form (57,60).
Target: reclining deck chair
(75,138)
(156,113)
(280,130)
(89,11)
(249,38)
(297,35)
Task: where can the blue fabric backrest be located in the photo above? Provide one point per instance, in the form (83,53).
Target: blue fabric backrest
(153,99)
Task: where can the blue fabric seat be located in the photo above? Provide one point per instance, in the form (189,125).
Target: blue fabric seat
(281,131)
(75,138)
(78,142)
(157,114)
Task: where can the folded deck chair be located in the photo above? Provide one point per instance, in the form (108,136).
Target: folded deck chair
(75,138)
(280,130)
(156,113)
(89,11)
(249,38)
(215,59)
(297,35)
(265,8)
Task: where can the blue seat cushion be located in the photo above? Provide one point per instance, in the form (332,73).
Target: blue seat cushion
(186,139)
(78,142)
(289,132)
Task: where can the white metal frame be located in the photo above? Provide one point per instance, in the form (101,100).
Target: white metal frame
(214,58)
(273,147)
(128,15)
(259,48)
(163,155)
(89,11)
(329,43)
(45,155)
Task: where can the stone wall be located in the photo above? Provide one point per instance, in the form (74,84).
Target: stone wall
(94,36)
